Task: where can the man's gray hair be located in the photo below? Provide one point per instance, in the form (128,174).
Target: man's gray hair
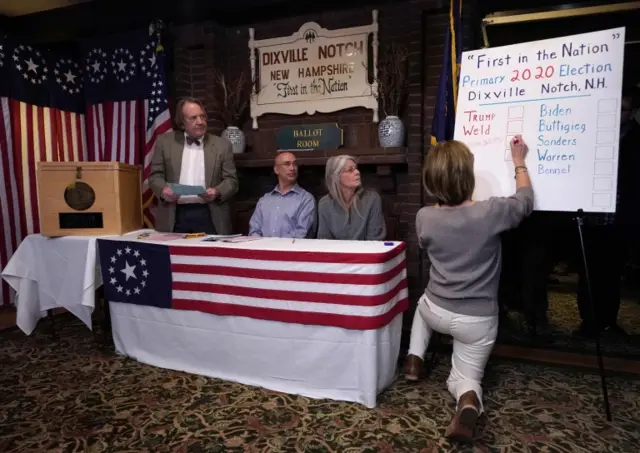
(179,116)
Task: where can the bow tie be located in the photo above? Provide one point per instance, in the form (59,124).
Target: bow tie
(193,141)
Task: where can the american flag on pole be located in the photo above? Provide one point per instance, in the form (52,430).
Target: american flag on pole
(41,119)
(351,290)
(156,109)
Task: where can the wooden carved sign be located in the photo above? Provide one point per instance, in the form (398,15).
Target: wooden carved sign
(309,137)
(315,70)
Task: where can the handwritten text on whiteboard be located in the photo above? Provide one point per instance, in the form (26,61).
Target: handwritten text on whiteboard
(563,96)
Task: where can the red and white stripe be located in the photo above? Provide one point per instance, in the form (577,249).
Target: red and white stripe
(9,197)
(113,132)
(161,125)
(71,136)
(30,134)
(349,290)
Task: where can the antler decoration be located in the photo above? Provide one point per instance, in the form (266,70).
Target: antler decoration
(393,80)
(231,97)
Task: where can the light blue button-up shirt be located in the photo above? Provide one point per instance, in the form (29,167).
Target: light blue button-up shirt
(289,215)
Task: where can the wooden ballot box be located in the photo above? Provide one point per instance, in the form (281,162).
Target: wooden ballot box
(89,198)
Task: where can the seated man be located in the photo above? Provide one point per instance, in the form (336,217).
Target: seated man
(288,211)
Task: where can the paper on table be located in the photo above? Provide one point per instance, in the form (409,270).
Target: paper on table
(183,190)
(161,237)
(232,239)
(242,239)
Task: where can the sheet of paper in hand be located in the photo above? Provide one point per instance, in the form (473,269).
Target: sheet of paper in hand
(183,190)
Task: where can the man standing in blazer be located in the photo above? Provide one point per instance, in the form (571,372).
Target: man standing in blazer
(191,156)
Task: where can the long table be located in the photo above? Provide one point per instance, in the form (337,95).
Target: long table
(316,318)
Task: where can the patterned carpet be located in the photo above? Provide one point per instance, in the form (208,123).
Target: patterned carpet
(564,319)
(66,395)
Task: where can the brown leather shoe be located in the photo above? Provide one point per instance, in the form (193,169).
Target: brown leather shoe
(464,421)
(413,367)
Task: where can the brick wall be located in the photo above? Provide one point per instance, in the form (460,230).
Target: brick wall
(419,25)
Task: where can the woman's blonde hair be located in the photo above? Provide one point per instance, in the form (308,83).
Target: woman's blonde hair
(332,173)
(448,173)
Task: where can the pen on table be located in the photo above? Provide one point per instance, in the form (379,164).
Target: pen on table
(293,242)
(194,235)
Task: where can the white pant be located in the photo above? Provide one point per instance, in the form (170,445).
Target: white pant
(473,340)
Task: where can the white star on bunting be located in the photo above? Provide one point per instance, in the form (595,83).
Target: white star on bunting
(123,65)
(68,76)
(30,64)
(96,65)
(148,60)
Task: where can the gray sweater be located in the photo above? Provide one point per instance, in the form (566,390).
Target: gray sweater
(463,244)
(365,225)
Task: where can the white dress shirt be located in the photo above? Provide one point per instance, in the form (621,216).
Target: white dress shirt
(192,170)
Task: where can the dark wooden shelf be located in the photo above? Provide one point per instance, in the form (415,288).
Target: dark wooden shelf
(365,156)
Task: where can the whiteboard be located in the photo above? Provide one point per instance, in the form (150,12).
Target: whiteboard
(563,96)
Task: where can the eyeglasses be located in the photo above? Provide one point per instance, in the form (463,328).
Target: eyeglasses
(350,170)
(288,164)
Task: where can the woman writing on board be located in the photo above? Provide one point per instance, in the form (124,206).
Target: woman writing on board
(462,240)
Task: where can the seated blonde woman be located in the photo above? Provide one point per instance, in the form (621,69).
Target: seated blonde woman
(462,240)
(348,211)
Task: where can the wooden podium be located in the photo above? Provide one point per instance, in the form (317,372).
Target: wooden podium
(89,198)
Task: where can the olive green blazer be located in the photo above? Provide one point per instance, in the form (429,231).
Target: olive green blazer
(220,174)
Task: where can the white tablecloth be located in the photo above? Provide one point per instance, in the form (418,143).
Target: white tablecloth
(314,361)
(311,360)
(49,273)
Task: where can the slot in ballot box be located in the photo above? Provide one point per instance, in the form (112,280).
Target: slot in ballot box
(89,198)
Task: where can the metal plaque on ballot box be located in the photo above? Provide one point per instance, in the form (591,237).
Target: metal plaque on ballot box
(88,198)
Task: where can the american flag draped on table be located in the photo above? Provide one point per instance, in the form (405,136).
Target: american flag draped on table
(105,100)
(342,289)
